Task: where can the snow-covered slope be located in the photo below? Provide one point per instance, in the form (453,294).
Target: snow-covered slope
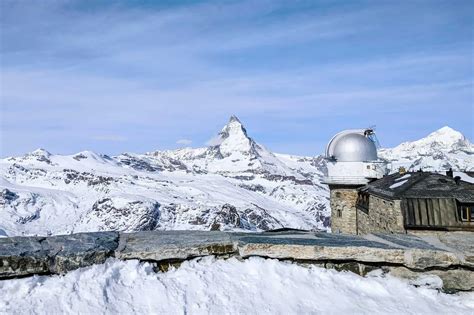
(210,286)
(233,184)
(443,149)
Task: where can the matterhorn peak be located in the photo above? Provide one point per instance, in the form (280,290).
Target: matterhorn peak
(234,118)
(233,138)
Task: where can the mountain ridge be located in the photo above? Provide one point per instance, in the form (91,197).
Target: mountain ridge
(233,184)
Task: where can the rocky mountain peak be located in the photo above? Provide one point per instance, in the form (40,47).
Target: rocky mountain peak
(233,138)
(234,118)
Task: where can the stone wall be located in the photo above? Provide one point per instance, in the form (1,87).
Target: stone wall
(384,216)
(450,257)
(343,210)
(403,255)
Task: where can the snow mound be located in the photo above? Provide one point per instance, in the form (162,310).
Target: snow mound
(210,286)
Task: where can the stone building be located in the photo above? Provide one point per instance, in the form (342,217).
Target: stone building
(416,201)
(364,199)
(352,162)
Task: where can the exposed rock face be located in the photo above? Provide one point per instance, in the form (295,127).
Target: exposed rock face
(401,255)
(254,219)
(120,214)
(227,216)
(7,197)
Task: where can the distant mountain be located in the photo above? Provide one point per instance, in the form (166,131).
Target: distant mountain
(233,184)
(441,150)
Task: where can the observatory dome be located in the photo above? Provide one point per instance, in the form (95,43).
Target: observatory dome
(352,146)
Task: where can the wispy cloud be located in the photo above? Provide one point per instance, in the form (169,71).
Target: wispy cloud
(148,73)
(184,142)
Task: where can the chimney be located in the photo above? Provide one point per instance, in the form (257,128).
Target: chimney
(457,179)
(449,172)
(401,170)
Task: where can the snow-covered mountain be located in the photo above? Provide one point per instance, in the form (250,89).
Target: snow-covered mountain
(443,149)
(233,184)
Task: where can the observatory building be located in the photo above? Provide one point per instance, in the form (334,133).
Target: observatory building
(352,162)
(364,199)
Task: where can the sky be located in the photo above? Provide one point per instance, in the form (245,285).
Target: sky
(139,76)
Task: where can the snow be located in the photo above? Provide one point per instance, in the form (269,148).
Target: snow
(464,177)
(57,193)
(403,177)
(210,286)
(398,184)
(87,191)
(439,151)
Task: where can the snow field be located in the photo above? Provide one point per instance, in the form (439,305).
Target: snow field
(211,286)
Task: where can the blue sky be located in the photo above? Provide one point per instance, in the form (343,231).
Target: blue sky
(145,75)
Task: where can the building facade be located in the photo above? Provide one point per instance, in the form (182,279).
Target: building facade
(364,199)
(416,201)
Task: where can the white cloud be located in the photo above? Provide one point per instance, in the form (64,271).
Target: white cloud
(184,142)
(159,71)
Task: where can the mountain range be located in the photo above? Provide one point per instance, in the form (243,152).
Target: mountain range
(233,184)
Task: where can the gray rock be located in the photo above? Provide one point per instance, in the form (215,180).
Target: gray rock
(22,256)
(174,245)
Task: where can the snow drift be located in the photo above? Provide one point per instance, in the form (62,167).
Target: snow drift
(210,286)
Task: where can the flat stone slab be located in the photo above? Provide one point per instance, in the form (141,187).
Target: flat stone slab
(174,245)
(22,256)
(412,252)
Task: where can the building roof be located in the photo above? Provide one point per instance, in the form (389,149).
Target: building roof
(421,185)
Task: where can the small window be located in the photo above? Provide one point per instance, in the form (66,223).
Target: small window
(466,213)
(368,167)
(339,213)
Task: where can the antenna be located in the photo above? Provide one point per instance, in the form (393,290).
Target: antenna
(370,133)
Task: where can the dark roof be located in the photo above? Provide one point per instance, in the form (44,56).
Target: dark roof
(420,185)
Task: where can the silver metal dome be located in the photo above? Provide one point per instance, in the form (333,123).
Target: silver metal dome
(352,146)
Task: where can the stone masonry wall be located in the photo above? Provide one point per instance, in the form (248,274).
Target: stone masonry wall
(343,210)
(384,216)
(449,256)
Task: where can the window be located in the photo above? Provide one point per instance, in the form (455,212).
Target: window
(363,202)
(466,212)
(339,213)
(368,167)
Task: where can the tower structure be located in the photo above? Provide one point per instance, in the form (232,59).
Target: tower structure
(352,162)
